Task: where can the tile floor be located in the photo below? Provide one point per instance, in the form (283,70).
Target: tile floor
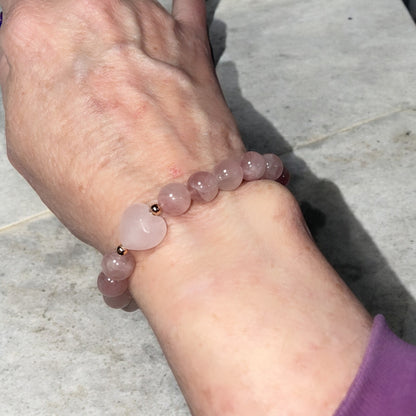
(329,85)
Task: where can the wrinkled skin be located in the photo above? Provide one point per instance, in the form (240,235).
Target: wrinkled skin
(103,108)
(106,101)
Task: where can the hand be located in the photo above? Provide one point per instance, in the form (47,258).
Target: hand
(106,101)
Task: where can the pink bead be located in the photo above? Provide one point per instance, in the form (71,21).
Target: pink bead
(131,307)
(274,166)
(111,288)
(229,174)
(140,229)
(203,186)
(118,302)
(253,165)
(284,177)
(174,199)
(118,267)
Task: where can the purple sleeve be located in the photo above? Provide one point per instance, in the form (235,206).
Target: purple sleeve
(385,384)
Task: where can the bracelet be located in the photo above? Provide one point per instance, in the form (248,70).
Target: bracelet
(143,227)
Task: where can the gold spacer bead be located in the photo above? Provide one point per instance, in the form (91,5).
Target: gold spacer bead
(155,209)
(121,250)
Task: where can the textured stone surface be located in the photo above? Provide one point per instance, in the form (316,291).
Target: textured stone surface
(63,351)
(18,200)
(333,80)
(313,68)
(358,191)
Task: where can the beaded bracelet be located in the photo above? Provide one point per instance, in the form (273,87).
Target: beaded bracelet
(143,227)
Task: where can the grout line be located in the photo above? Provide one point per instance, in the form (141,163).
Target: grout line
(351,127)
(28,219)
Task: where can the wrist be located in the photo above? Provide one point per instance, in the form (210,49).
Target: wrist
(143,228)
(129,189)
(243,230)
(238,292)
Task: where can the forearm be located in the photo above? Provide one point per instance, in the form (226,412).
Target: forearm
(250,316)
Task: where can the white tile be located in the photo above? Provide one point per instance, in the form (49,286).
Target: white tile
(62,350)
(312,67)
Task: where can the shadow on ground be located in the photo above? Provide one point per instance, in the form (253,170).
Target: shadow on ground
(339,235)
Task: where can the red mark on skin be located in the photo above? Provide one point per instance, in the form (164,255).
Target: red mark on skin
(175,172)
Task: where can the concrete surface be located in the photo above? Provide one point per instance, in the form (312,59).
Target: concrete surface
(329,85)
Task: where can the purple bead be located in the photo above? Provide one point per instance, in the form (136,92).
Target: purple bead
(174,199)
(111,288)
(274,166)
(118,267)
(284,177)
(118,302)
(253,165)
(203,186)
(229,174)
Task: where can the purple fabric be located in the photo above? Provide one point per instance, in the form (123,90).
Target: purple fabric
(385,384)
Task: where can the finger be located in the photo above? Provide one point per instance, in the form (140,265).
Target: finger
(191,13)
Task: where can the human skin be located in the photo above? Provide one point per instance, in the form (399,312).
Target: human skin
(108,100)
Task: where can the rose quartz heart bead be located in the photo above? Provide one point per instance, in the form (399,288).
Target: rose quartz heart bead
(203,186)
(140,229)
(253,165)
(274,166)
(229,174)
(174,199)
